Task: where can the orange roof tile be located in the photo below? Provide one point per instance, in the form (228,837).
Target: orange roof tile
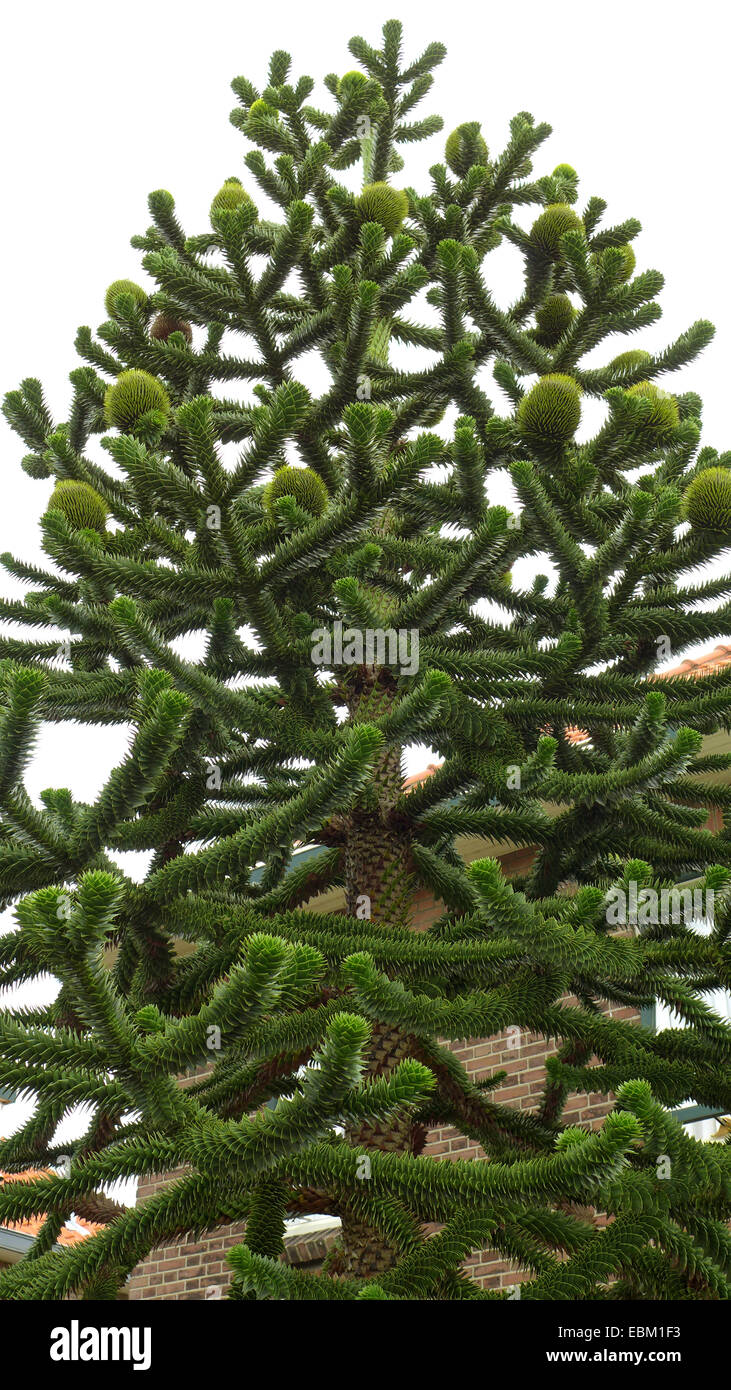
(701,665)
(417,777)
(69,1234)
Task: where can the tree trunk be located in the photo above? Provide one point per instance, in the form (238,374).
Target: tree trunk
(379,884)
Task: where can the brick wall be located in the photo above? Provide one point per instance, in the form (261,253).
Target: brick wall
(196,1268)
(523,1058)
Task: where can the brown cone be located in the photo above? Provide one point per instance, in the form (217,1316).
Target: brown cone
(165,324)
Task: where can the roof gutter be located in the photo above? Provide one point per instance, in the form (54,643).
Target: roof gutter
(14,1245)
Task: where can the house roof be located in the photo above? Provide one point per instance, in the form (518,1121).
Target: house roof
(73,1231)
(699,666)
(417,777)
(703,665)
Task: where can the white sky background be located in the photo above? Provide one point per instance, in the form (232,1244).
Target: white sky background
(100,105)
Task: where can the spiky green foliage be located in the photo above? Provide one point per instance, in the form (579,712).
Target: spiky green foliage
(120,289)
(466,146)
(133,395)
(707,500)
(80,504)
(256,780)
(302,484)
(551,410)
(381,203)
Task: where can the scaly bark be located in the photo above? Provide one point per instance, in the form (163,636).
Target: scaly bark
(378,869)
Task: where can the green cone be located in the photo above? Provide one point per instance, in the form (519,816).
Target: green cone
(260,107)
(230,195)
(664,413)
(465,147)
(551,410)
(707,500)
(131,396)
(350,80)
(553,223)
(81,505)
(303,484)
(379,202)
(629,260)
(628,361)
(120,287)
(553,318)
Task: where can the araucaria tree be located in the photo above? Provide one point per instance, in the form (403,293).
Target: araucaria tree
(304,540)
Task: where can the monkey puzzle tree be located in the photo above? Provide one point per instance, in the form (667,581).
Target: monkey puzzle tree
(233,506)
